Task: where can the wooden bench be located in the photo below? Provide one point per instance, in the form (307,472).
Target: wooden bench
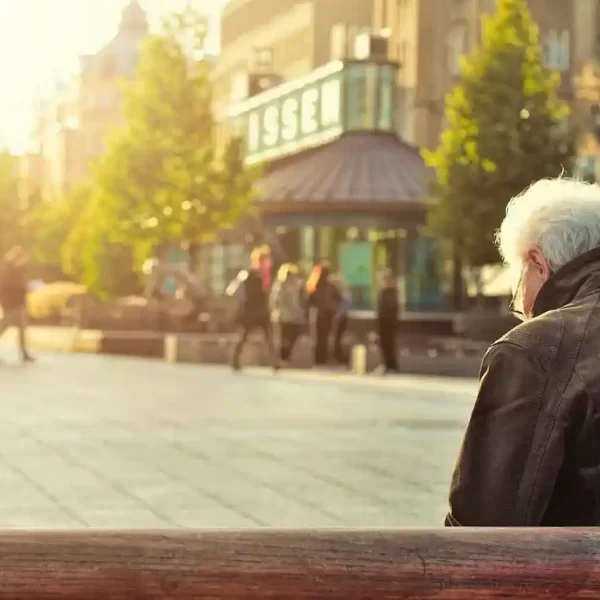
(458,564)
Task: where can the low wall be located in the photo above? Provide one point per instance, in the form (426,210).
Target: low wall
(218,349)
(416,355)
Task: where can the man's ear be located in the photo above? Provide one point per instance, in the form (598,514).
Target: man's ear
(540,263)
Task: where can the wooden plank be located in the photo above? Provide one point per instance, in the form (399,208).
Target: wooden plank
(346,565)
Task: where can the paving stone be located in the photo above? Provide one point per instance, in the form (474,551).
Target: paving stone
(101,442)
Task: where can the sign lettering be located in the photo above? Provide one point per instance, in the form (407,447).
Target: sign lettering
(293,120)
(289,119)
(271,126)
(315,109)
(309,113)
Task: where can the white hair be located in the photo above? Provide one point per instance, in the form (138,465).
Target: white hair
(560,217)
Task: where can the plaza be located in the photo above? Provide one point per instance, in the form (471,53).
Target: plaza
(101,442)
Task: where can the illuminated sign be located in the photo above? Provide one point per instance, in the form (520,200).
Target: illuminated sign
(301,117)
(315,109)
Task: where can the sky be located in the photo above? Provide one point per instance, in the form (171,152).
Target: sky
(41,40)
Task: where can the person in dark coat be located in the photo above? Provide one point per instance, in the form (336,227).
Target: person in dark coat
(13,296)
(341,322)
(325,298)
(251,289)
(387,323)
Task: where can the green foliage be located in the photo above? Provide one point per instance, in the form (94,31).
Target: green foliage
(89,255)
(237,185)
(504,132)
(48,224)
(11,211)
(160,181)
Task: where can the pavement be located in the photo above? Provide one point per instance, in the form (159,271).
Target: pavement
(120,443)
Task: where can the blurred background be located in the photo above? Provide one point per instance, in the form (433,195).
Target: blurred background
(147,147)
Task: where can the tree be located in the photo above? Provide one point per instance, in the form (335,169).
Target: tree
(89,255)
(48,224)
(161,181)
(11,210)
(505,130)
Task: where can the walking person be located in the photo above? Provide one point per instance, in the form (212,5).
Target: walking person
(288,309)
(387,322)
(341,322)
(251,290)
(325,299)
(531,451)
(13,296)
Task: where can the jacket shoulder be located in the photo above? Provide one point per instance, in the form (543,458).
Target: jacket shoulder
(539,337)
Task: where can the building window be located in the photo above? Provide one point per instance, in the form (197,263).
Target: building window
(384,14)
(356,97)
(556,50)
(401,6)
(457,45)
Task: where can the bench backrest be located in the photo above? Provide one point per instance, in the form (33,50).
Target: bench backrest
(243,565)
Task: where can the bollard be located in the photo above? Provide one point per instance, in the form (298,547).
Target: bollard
(171,354)
(359,359)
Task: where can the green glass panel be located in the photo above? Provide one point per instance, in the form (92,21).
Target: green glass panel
(355,96)
(356,265)
(387,85)
(423,278)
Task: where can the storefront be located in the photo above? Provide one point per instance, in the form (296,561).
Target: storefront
(351,203)
(339,185)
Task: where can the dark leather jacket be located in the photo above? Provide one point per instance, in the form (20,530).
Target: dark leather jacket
(531,452)
(254,308)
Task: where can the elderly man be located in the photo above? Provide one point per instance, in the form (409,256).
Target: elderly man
(531,452)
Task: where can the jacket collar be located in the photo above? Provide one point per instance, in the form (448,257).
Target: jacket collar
(576,279)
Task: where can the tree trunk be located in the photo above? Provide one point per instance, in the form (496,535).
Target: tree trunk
(457,279)
(192,257)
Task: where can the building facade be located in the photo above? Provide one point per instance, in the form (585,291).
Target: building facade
(429,37)
(284,39)
(100,101)
(73,125)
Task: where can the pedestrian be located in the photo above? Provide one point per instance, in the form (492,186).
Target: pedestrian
(13,296)
(251,291)
(341,321)
(387,322)
(531,451)
(288,309)
(325,299)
